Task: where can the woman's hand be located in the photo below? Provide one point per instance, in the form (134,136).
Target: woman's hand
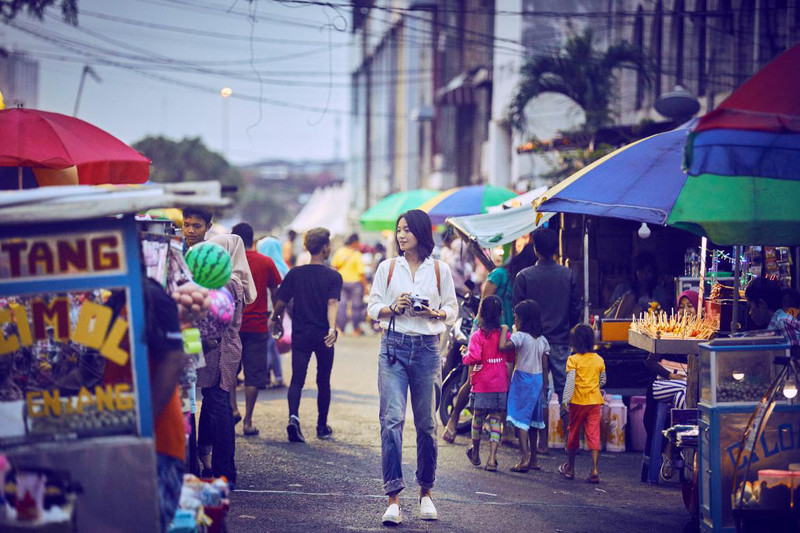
(427,312)
(402,303)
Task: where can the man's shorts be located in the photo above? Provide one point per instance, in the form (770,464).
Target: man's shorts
(254,358)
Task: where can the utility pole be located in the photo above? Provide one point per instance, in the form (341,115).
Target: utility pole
(86,70)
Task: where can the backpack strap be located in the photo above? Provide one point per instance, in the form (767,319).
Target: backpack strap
(391,271)
(436,268)
(438,277)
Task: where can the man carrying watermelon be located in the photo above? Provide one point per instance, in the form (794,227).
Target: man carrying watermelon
(315,290)
(196,222)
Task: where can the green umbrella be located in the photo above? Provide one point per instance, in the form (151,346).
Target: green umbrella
(467,200)
(739,209)
(383,215)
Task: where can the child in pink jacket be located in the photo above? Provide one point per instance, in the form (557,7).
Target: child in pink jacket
(489,377)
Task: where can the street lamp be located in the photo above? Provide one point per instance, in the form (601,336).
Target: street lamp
(225,93)
(678,104)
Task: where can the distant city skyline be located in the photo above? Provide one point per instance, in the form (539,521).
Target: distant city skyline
(161,67)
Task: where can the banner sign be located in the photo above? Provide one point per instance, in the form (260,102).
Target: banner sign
(72,255)
(65,364)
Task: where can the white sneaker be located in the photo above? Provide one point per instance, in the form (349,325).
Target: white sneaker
(392,515)
(427,511)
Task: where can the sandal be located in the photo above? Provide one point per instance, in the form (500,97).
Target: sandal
(667,469)
(520,467)
(534,465)
(491,467)
(236,418)
(250,431)
(593,478)
(566,473)
(449,436)
(473,457)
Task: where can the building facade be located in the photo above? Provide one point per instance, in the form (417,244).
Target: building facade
(432,80)
(19,79)
(421,95)
(708,47)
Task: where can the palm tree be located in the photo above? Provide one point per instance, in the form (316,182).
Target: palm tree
(581,74)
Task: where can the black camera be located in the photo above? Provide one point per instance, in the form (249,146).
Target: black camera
(418,303)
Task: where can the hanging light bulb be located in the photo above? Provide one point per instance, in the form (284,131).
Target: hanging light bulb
(738,375)
(790,387)
(644,231)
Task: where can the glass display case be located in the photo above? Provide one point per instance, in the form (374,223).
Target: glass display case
(738,370)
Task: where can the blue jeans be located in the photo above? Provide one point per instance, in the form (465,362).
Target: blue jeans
(353,292)
(418,368)
(559,353)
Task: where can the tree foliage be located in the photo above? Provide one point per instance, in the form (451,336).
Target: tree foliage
(9,9)
(186,160)
(580,73)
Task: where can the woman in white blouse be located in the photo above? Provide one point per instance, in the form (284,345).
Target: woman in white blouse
(414,299)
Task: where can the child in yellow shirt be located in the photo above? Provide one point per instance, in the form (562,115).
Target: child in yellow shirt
(586,373)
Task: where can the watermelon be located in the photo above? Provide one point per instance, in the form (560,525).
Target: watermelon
(210,264)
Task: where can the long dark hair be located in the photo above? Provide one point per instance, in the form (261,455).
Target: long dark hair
(419,223)
(524,259)
(530,317)
(491,312)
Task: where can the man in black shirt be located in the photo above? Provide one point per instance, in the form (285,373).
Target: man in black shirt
(555,289)
(315,289)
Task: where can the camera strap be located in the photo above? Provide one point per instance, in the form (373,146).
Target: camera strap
(392,353)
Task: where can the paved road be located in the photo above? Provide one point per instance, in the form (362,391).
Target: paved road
(336,485)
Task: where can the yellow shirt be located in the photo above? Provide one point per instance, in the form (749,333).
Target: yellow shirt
(587,367)
(349,264)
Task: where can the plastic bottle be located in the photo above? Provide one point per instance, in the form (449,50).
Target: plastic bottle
(555,436)
(617,420)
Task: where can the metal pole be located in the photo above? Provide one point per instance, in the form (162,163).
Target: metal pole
(585,271)
(735,307)
(702,289)
(80,92)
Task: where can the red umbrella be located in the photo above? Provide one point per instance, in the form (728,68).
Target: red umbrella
(44,140)
(766,102)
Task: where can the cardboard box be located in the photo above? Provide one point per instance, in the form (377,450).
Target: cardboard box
(614,329)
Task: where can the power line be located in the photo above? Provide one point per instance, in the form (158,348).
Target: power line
(194,31)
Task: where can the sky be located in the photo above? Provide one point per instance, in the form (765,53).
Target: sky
(162,64)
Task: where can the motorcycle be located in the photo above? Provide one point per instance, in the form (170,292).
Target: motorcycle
(455,372)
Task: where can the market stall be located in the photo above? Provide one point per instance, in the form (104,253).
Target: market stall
(75,414)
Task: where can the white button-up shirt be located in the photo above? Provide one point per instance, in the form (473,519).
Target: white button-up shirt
(424,284)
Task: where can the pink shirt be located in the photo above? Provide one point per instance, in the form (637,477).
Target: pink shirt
(490,373)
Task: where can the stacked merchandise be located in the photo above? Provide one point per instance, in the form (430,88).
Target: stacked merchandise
(202,507)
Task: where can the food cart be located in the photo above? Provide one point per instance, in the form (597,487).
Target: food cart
(74,387)
(736,378)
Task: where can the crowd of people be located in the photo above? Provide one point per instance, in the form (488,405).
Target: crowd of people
(527,342)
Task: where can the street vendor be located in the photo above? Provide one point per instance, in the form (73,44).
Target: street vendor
(641,293)
(764,302)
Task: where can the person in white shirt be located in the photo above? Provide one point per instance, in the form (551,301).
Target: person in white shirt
(414,299)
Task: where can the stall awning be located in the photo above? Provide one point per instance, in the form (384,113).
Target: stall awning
(461,89)
(328,208)
(78,202)
(495,229)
